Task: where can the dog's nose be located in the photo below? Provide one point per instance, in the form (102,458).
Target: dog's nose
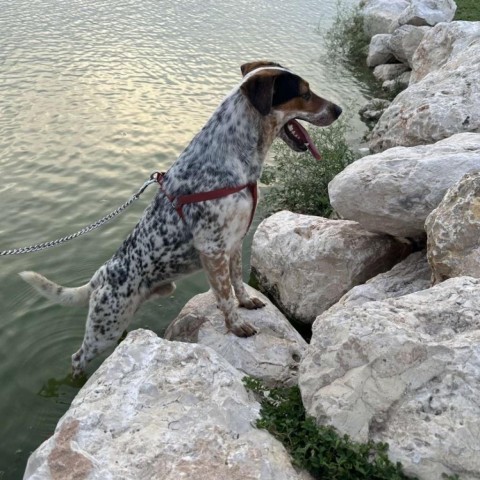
(337,111)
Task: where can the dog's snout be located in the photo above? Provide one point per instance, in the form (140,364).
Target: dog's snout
(336,110)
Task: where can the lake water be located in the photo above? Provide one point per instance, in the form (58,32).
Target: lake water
(95,95)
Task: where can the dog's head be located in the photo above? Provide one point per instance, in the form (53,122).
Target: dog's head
(276,92)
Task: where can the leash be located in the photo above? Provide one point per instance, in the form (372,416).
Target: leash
(107,218)
(177,204)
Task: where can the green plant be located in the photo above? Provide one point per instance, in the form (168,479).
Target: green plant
(346,39)
(320,450)
(298,182)
(467,10)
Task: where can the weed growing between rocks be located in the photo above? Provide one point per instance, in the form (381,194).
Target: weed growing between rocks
(346,40)
(299,182)
(320,450)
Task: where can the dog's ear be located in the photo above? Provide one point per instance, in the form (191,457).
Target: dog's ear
(248,67)
(259,90)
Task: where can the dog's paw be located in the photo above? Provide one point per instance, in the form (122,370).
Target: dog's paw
(252,303)
(243,330)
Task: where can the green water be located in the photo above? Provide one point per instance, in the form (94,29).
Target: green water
(95,95)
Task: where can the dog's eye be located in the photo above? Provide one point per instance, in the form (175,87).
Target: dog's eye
(307,96)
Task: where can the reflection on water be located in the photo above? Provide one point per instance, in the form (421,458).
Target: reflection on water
(94,95)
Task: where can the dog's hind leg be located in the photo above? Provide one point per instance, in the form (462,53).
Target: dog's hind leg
(218,273)
(108,317)
(236,276)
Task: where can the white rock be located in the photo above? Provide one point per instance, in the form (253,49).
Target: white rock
(440,44)
(401,82)
(444,102)
(379,15)
(409,276)
(379,50)
(389,71)
(403,371)
(394,191)
(272,355)
(428,12)
(162,410)
(453,231)
(307,263)
(404,42)
(373,110)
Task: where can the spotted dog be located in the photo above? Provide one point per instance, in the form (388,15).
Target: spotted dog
(166,244)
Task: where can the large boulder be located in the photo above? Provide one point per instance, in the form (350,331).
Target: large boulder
(442,103)
(427,12)
(441,44)
(163,410)
(403,371)
(272,355)
(307,263)
(379,15)
(408,276)
(404,42)
(385,16)
(379,51)
(453,231)
(394,191)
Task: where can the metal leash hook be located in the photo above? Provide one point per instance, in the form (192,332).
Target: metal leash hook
(102,221)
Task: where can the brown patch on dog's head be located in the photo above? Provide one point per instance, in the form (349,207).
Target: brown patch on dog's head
(259,90)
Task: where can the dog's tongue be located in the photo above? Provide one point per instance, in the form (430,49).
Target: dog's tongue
(305,137)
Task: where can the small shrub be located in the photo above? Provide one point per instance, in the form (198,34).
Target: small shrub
(320,450)
(346,39)
(298,182)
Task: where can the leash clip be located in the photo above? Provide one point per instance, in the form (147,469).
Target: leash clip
(157,177)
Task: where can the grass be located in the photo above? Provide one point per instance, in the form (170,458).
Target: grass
(468,10)
(320,450)
(299,182)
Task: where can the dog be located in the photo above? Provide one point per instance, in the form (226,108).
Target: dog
(176,236)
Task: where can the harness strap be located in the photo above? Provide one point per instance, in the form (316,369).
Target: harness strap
(180,201)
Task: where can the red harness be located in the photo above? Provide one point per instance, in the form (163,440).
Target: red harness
(179,202)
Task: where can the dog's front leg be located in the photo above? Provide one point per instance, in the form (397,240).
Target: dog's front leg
(218,272)
(236,276)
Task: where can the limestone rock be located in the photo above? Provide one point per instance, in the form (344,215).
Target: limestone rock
(394,191)
(444,102)
(428,12)
(400,83)
(379,15)
(307,263)
(409,276)
(163,410)
(453,231)
(272,355)
(440,44)
(404,42)
(403,371)
(373,109)
(389,71)
(379,51)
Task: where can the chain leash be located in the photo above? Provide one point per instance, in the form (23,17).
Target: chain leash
(102,221)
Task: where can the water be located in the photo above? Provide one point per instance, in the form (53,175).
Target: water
(95,95)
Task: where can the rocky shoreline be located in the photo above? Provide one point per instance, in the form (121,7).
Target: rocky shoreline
(391,290)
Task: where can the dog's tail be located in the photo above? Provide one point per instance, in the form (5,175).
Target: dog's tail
(64,296)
